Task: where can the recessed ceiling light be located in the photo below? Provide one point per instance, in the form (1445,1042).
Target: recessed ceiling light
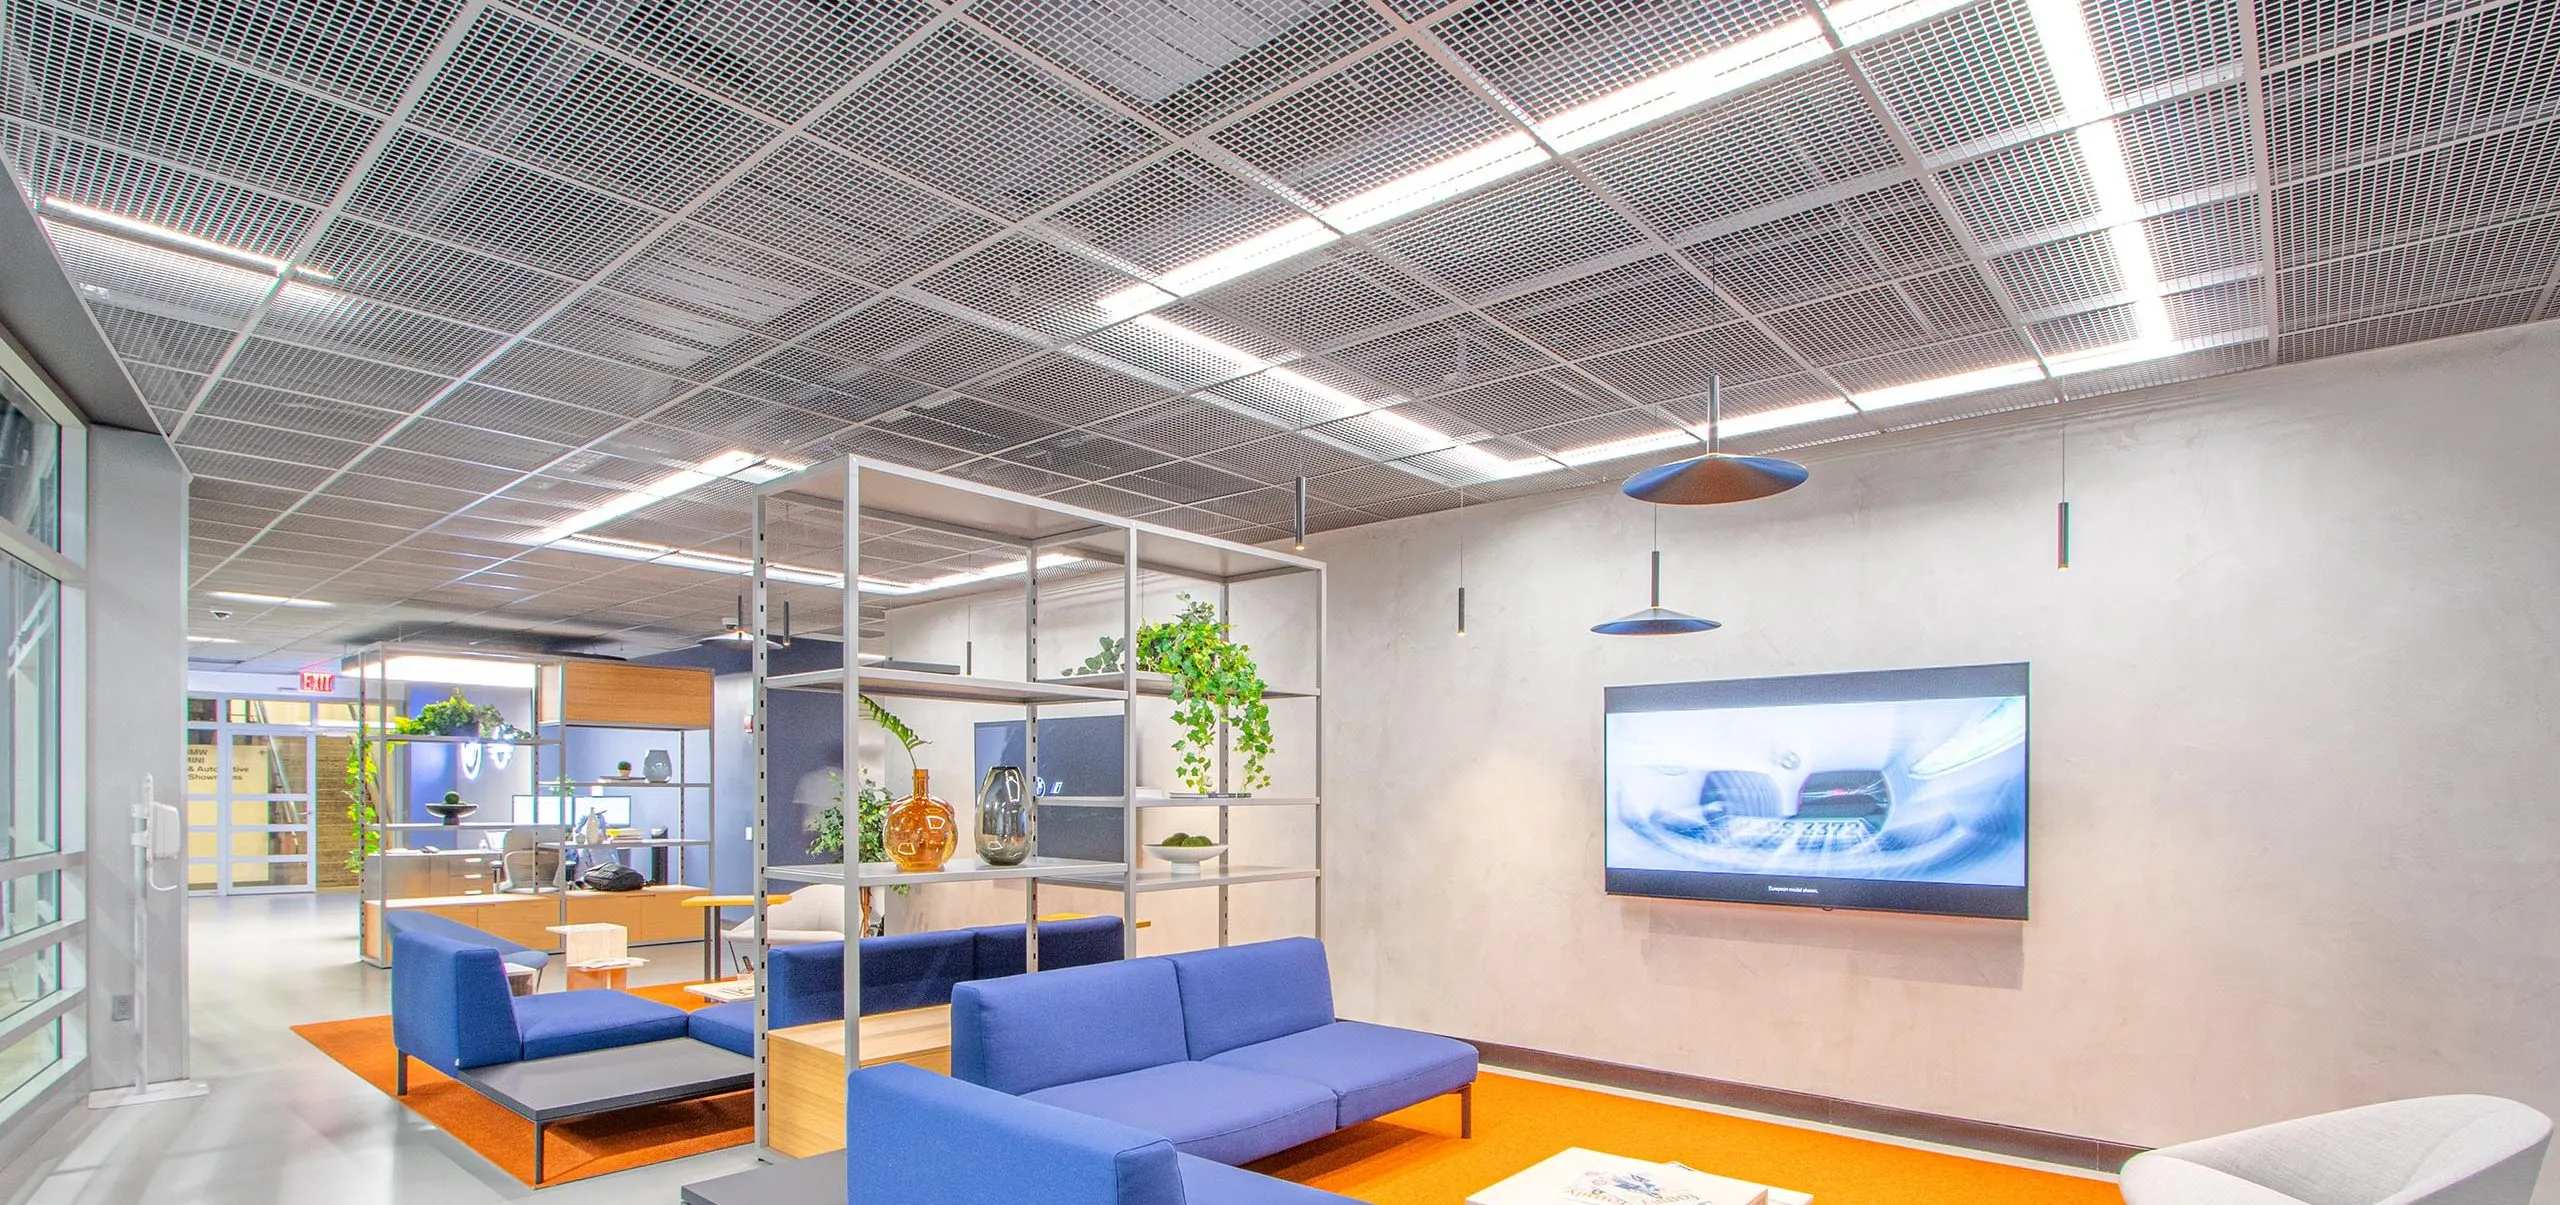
(155,233)
(211,640)
(272,600)
(1436,183)
(735,465)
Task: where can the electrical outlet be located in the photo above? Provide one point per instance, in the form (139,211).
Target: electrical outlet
(119,1008)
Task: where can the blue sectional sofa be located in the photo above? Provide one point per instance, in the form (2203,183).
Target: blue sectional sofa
(804,984)
(450,1010)
(412,920)
(927,1137)
(1231,1054)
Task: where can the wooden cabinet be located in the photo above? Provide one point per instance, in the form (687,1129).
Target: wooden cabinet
(629,696)
(654,915)
(807,1071)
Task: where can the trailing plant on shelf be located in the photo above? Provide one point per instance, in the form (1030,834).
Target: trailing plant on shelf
(1105,661)
(364,790)
(458,716)
(1215,684)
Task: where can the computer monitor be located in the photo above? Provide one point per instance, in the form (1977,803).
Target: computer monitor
(547,809)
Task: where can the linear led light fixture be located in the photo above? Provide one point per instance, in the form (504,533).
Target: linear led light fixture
(171,239)
(272,600)
(211,640)
(722,563)
(2063,32)
(734,465)
(450,671)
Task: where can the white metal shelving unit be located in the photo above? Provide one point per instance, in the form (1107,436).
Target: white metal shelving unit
(856,489)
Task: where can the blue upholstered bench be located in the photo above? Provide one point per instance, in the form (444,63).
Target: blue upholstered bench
(932,1140)
(804,984)
(1231,1054)
(450,1010)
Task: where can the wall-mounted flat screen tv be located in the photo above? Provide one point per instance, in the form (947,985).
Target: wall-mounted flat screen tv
(1897,790)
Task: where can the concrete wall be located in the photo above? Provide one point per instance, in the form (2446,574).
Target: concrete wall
(2294,842)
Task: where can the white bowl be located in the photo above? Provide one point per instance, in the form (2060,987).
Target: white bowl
(1186,859)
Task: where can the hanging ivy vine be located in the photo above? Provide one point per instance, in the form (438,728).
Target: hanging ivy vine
(1215,684)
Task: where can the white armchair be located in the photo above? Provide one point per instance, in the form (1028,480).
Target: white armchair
(814,913)
(2435,1150)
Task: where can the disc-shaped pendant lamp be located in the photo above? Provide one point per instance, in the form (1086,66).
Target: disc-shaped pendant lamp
(1717,476)
(1656,620)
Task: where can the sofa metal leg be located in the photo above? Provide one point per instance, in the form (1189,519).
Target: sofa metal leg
(1467,1111)
(401,1079)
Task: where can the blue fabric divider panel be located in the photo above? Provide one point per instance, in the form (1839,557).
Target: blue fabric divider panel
(928,1137)
(909,970)
(449,1003)
(571,1022)
(1374,1070)
(1029,1032)
(1241,995)
(1221,1113)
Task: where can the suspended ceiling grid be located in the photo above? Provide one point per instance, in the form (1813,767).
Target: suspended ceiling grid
(546,252)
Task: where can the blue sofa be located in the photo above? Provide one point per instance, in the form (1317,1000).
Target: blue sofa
(1231,1054)
(902,970)
(413,920)
(928,1137)
(804,984)
(450,1010)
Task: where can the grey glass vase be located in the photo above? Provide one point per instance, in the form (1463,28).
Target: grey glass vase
(1004,818)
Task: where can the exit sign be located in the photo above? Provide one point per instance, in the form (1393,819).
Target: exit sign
(319,681)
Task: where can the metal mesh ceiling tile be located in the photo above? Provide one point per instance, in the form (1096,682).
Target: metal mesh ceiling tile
(1187,428)
(984,125)
(1085,456)
(164,388)
(1756,149)
(87,78)
(101,177)
(1187,63)
(1373,121)
(925,344)
(2061,274)
(1953,301)
(643,333)
(750,422)
(1755,397)
(2478,181)
(326,374)
(970,425)
(1511,234)
(121,272)
(814,202)
(2195,141)
(884,445)
(700,270)
(494,449)
(2144,43)
(363,487)
(1671,368)
(1524,402)
(1070,391)
(1972,73)
(1185,481)
(2023,190)
(243,402)
(1290,405)
(153,339)
(2491,68)
(2435,322)
(449,191)
(1848,326)
(1970,354)
(569,376)
(207,462)
(1322,303)
(248,439)
(2216,309)
(1031,284)
(1631,303)
(1020,478)
(780,57)
(2207,238)
(427,469)
(1280,458)
(2472,264)
(376,261)
(1173,211)
(1441,355)
(330,319)
(2169,370)
(2087,330)
(528,93)
(1155,351)
(365,51)
(1550,57)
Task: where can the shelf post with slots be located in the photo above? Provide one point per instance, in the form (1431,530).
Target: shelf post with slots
(1047,543)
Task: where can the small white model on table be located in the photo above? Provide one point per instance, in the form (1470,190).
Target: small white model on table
(1580,1177)
(598,955)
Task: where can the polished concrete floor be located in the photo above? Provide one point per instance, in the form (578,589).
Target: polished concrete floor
(284,1123)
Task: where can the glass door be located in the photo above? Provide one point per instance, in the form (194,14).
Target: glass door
(250,804)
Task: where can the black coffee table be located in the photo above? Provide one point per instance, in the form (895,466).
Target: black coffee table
(568,1086)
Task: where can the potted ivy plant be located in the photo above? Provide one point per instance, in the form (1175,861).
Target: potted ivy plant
(1216,685)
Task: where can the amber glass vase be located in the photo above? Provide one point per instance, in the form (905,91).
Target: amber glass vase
(921,831)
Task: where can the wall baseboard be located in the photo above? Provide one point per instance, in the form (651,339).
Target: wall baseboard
(2065,1150)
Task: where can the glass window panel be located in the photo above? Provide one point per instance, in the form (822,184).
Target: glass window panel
(203,711)
(28,980)
(270,711)
(270,765)
(30,901)
(202,875)
(29,1056)
(30,466)
(296,873)
(30,708)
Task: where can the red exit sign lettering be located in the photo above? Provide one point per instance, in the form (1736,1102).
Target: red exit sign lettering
(319,681)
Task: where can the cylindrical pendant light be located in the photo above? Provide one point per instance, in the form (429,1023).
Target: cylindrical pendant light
(1298,514)
(1715,477)
(1656,620)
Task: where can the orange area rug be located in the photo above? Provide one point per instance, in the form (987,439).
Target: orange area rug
(1415,1157)
(575,1150)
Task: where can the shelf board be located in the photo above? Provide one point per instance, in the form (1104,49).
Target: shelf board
(424,739)
(1155,879)
(958,870)
(1114,801)
(1159,686)
(628,782)
(915,684)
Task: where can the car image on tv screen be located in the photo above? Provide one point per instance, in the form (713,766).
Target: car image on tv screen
(1899,790)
